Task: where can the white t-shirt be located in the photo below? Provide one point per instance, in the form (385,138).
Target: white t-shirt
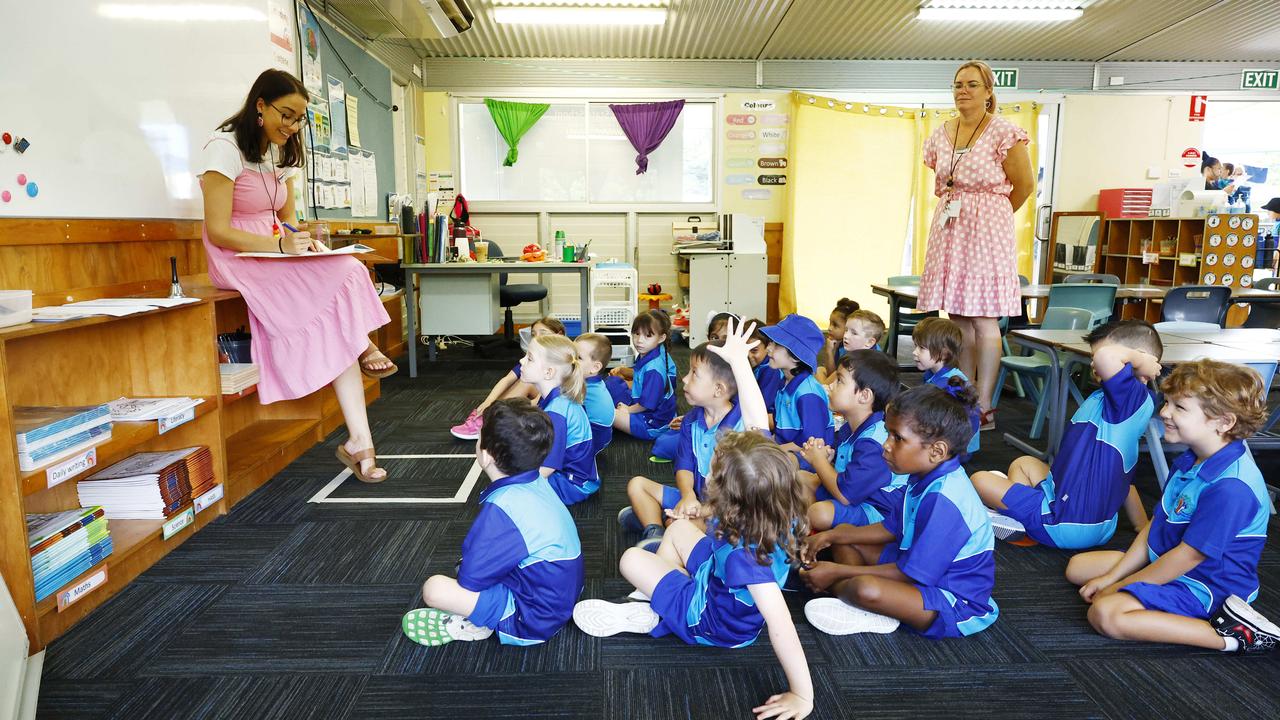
(223,156)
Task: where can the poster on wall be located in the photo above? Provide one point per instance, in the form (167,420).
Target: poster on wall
(756,131)
(321,130)
(353,121)
(312,77)
(280,31)
(338,115)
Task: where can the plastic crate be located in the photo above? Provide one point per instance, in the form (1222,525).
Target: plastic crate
(612,315)
(614,277)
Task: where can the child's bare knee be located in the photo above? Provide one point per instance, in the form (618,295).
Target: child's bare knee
(637,484)
(821,515)
(434,588)
(863,590)
(631,558)
(1106,617)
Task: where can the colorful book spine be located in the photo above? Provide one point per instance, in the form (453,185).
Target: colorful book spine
(70,529)
(61,424)
(61,438)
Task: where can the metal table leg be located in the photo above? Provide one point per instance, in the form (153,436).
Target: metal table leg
(411,317)
(891,343)
(584,296)
(1051,393)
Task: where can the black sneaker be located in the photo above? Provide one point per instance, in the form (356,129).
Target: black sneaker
(1237,619)
(651,538)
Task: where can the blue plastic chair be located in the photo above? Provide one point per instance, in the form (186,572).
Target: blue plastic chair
(1036,367)
(1200,303)
(1100,300)
(1096,278)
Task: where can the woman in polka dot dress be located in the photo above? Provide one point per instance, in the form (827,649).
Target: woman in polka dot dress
(982,176)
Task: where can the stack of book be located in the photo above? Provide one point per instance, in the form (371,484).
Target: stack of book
(237,377)
(49,434)
(149,486)
(64,545)
(139,409)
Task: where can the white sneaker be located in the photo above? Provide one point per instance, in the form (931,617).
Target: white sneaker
(460,628)
(1005,527)
(836,617)
(602,619)
(637,596)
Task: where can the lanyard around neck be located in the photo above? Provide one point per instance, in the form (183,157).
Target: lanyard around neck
(957,157)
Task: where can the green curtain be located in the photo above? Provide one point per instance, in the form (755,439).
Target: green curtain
(514,120)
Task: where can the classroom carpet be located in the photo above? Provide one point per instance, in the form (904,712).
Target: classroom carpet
(286,608)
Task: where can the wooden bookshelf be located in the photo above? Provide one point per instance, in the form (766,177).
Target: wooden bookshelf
(160,353)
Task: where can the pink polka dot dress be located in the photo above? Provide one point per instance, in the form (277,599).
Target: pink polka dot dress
(970,265)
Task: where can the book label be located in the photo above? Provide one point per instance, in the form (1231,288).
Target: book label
(168,423)
(70,468)
(69,597)
(175,524)
(208,499)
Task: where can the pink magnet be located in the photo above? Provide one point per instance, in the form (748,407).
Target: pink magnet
(22,179)
(5,196)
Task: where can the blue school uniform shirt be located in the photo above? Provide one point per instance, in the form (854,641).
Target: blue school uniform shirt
(945,542)
(524,540)
(802,412)
(770,380)
(861,472)
(653,385)
(698,443)
(517,371)
(721,611)
(940,379)
(1092,472)
(1220,508)
(572,452)
(599,407)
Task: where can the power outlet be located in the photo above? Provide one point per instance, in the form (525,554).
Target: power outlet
(1116,80)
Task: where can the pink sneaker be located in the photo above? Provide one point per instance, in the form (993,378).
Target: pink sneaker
(470,428)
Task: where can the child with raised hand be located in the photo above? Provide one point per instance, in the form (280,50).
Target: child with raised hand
(930,563)
(1189,576)
(668,441)
(863,330)
(552,366)
(721,586)
(801,411)
(510,386)
(937,344)
(833,342)
(521,568)
(851,483)
(722,391)
(594,353)
(651,403)
(1074,504)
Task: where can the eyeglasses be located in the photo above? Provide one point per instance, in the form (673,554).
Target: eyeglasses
(289,119)
(972,85)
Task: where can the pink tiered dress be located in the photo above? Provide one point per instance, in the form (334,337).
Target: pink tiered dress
(310,318)
(970,265)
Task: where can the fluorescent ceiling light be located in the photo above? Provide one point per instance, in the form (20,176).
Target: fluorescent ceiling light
(593,3)
(988,14)
(180,13)
(560,15)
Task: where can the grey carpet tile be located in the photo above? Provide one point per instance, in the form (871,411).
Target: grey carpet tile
(351,553)
(566,695)
(412,477)
(999,644)
(295,629)
(1213,686)
(78,699)
(283,500)
(264,697)
(1027,690)
(221,553)
(710,692)
(641,651)
(128,633)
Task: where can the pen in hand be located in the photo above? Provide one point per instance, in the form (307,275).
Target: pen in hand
(316,246)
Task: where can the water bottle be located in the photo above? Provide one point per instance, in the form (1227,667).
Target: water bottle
(558,246)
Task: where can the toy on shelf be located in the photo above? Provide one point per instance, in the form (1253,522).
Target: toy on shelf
(533,252)
(654,295)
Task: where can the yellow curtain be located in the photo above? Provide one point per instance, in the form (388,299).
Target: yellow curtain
(1025,115)
(849,202)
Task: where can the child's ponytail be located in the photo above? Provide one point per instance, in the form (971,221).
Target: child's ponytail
(562,355)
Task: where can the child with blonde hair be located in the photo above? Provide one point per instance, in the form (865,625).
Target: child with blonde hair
(510,386)
(862,331)
(1192,572)
(552,366)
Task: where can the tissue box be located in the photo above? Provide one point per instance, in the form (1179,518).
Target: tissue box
(15,307)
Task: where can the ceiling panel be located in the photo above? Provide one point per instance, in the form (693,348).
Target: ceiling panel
(1236,30)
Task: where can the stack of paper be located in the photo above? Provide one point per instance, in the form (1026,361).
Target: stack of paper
(200,471)
(138,409)
(65,544)
(237,376)
(49,434)
(145,486)
(115,307)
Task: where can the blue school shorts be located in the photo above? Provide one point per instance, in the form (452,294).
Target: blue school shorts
(569,493)
(666,444)
(640,427)
(860,514)
(1030,505)
(1174,598)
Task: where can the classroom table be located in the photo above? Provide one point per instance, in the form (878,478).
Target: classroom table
(412,270)
(1249,345)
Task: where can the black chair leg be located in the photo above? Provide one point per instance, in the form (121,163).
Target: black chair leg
(508,326)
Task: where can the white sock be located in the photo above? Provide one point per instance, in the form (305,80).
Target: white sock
(1230,644)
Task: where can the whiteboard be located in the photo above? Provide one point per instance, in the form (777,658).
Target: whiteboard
(118,98)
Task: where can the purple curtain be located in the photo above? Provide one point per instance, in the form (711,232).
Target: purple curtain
(646,126)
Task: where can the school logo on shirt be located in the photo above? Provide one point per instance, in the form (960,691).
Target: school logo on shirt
(1183,507)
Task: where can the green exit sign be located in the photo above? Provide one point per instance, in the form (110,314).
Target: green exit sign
(1006,78)
(1260,80)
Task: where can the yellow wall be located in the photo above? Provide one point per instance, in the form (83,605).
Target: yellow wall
(740,158)
(1109,141)
(434,127)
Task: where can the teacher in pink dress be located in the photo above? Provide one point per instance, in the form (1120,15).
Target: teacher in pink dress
(311,317)
(982,175)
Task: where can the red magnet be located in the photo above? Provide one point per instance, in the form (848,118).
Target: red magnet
(7,138)
(22,179)
(5,196)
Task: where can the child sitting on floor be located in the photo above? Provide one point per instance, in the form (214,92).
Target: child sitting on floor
(937,350)
(833,342)
(851,483)
(800,410)
(667,441)
(931,562)
(648,407)
(1189,576)
(521,568)
(862,330)
(594,353)
(1074,504)
(552,366)
(509,386)
(768,378)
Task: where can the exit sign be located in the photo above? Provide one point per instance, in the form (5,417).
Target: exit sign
(1260,80)
(1006,78)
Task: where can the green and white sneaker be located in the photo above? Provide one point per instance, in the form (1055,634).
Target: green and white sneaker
(601,618)
(837,617)
(432,627)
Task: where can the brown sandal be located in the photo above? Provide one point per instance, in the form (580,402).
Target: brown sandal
(353,463)
(370,352)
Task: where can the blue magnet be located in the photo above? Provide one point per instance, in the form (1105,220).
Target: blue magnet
(32,189)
